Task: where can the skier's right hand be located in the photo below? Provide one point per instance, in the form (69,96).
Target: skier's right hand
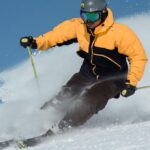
(128,90)
(28,41)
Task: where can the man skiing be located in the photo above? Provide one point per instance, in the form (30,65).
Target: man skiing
(104,46)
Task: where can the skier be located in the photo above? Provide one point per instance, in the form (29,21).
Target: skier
(113,60)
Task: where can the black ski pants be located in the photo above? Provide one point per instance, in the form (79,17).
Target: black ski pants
(87,98)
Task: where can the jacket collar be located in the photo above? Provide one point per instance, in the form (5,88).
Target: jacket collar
(105,26)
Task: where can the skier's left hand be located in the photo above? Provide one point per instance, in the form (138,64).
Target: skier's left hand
(128,90)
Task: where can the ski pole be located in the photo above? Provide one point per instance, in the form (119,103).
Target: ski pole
(32,62)
(108,2)
(34,71)
(143,87)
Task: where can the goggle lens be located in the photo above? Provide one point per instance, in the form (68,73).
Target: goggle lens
(90,16)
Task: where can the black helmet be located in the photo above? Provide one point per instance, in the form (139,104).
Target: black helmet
(92,5)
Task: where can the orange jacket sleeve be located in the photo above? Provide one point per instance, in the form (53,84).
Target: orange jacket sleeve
(61,33)
(131,46)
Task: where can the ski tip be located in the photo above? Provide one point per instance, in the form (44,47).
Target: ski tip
(1,101)
(5,144)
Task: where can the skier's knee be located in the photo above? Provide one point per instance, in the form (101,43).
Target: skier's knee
(94,102)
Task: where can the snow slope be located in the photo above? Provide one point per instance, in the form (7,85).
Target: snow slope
(123,125)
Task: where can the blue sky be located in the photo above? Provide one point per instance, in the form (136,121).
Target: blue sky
(34,17)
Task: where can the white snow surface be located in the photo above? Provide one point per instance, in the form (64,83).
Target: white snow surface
(123,125)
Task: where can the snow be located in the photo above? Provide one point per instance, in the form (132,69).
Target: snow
(123,125)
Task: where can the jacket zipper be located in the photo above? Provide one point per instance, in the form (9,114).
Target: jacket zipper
(92,53)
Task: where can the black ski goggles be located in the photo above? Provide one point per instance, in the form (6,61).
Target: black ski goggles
(90,16)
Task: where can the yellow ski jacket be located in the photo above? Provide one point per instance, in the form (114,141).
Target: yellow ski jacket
(105,49)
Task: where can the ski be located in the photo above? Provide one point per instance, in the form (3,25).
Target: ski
(30,142)
(52,102)
(6,144)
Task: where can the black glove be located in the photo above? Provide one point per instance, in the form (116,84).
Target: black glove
(128,90)
(28,41)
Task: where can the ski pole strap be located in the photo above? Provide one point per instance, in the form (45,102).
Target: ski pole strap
(32,62)
(142,87)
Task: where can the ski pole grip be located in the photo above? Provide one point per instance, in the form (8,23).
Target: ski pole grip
(24,40)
